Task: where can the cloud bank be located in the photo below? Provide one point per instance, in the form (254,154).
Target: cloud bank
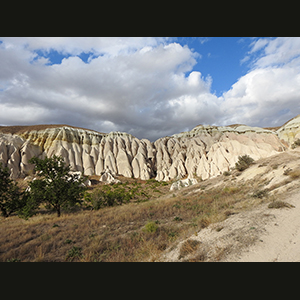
(269,94)
(143,86)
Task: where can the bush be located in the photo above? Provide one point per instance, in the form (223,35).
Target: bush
(101,198)
(151,227)
(279,204)
(226,173)
(11,198)
(260,194)
(243,162)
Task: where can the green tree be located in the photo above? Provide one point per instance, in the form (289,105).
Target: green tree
(55,185)
(10,194)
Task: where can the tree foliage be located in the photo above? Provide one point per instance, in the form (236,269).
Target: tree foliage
(10,194)
(55,185)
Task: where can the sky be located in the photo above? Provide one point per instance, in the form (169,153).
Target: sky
(149,87)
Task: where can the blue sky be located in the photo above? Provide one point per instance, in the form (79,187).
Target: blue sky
(56,57)
(149,86)
(220,58)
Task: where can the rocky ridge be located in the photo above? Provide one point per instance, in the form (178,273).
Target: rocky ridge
(205,151)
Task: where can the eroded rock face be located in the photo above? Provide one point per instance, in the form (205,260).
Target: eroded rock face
(290,131)
(108,178)
(205,151)
(179,184)
(208,151)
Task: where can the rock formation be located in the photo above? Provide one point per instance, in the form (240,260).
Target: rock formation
(108,178)
(179,184)
(205,151)
(290,131)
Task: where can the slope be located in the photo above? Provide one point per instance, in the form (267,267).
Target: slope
(262,227)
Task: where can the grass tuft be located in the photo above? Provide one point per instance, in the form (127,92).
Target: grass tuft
(280,204)
(188,247)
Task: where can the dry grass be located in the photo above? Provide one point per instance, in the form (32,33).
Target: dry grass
(188,247)
(118,233)
(280,204)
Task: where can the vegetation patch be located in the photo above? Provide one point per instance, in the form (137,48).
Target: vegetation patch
(260,194)
(108,197)
(128,221)
(188,247)
(280,204)
(243,162)
(150,227)
(74,252)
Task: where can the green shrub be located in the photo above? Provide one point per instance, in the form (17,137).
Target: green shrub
(243,162)
(13,260)
(104,198)
(150,227)
(73,253)
(260,194)
(68,241)
(279,204)
(226,173)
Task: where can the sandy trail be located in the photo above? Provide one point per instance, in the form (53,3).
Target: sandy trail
(260,234)
(279,238)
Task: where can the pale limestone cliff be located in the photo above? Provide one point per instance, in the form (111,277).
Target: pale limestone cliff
(86,151)
(205,151)
(290,131)
(208,151)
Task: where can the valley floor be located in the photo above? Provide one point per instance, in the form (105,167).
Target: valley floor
(231,217)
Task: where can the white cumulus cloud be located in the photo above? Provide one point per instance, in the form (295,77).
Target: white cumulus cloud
(269,94)
(144,86)
(131,87)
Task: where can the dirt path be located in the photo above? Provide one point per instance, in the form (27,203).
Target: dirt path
(259,234)
(279,240)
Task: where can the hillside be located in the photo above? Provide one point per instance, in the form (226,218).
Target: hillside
(218,219)
(262,226)
(205,151)
(221,218)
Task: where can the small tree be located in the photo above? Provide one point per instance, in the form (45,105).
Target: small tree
(10,194)
(56,187)
(243,162)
